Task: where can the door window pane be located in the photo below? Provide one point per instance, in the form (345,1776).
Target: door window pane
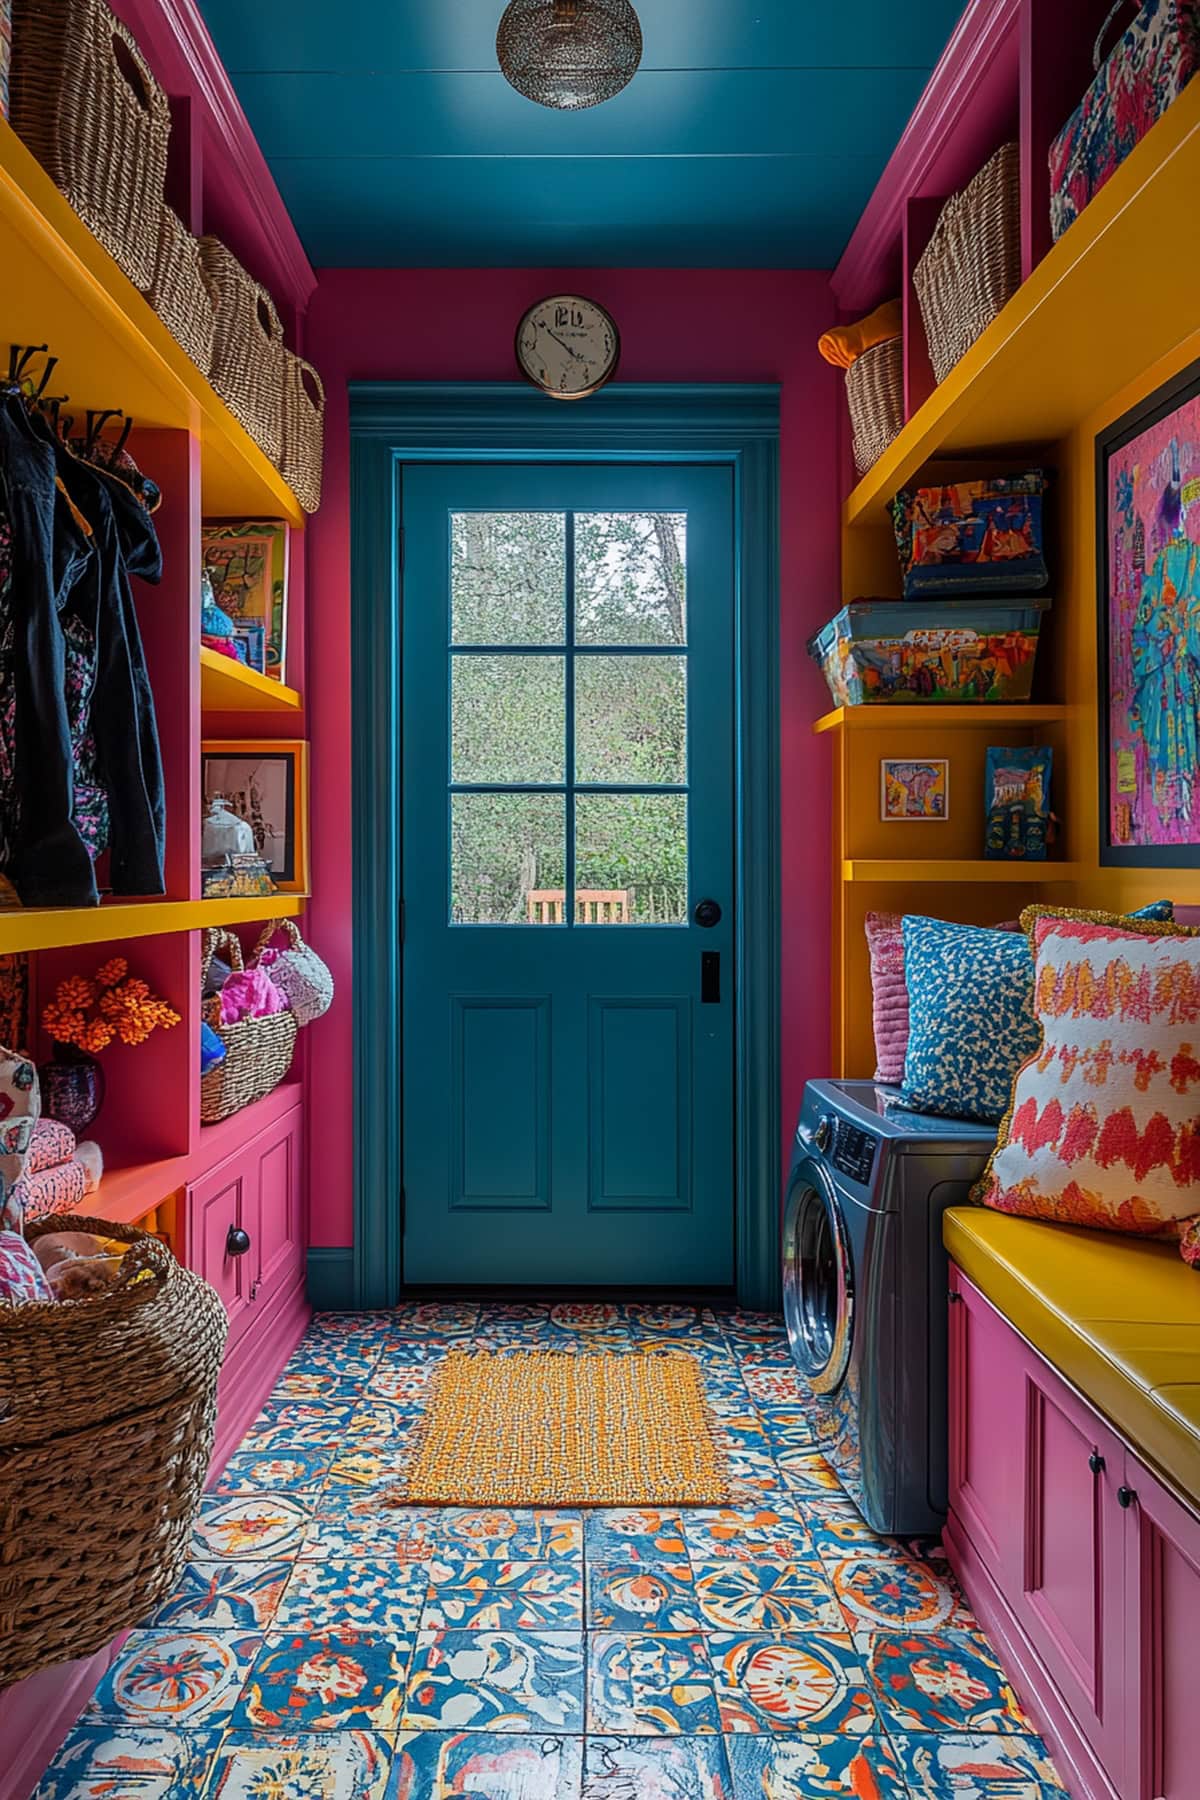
(631,718)
(508,578)
(631,852)
(507,718)
(507,854)
(630,578)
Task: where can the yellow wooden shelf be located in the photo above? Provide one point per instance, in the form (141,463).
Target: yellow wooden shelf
(903,718)
(60,287)
(48,928)
(1033,874)
(228,686)
(1093,315)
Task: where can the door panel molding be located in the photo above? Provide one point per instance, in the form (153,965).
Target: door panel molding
(394,423)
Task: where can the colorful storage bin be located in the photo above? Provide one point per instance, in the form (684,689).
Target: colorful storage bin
(972,537)
(901,653)
(1150,66)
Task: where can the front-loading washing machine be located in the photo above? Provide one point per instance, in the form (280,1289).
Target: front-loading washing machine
(865,1281)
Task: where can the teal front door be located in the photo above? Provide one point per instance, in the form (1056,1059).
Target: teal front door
(568,868)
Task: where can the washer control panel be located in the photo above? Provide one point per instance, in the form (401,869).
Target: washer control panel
(850,1150)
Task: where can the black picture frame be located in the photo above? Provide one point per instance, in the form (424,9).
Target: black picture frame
(1156,407)
(280,768)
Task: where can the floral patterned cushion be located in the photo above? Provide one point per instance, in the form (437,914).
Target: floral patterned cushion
(1104,1127)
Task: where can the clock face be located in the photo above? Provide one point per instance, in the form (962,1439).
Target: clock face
(567,346)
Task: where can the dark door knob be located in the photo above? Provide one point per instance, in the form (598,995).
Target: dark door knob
(707,913)
(1125,1496)
(238,1241)
(1096,1463)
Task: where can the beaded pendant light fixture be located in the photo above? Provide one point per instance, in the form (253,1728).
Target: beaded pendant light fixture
(569,53)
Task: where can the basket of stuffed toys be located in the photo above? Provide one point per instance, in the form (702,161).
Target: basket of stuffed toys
(109,1357)
(253,1025)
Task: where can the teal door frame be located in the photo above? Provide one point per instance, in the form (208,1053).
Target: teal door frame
(394,423)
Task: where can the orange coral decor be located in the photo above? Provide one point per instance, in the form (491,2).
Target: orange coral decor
(114,1004)
(550,1429)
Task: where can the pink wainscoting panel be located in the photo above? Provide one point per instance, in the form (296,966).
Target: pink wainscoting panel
(685,325)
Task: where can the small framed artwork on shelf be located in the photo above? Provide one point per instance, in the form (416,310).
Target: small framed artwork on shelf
(263,786)
(1148,565)
(914,790)
(246,560)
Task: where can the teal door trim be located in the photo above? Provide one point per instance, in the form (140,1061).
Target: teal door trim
(394,423)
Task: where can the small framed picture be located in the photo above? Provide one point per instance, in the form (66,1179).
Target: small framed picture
(247,563)
(264,784)
(914,790)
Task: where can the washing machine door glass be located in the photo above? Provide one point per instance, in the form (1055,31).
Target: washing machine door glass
(818,1280)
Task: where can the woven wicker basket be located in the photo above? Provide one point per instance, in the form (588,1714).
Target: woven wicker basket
(875,392)
(106,1430)
(85,102)
(248,355)
(258,1052)
(971,266)
(303,430)
(179,293)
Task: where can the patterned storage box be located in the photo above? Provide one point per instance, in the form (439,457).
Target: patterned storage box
(903,652)
(972,537)
(1154,61)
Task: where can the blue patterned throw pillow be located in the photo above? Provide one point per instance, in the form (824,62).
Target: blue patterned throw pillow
(971,1021)
(971,1017)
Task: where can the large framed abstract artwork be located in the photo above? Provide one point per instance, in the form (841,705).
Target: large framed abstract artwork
(1148,561)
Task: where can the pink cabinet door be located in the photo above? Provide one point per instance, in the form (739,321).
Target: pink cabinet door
(1072,1601)
(1163,1585)
(222,1207)
(277,1175)
(987,1416)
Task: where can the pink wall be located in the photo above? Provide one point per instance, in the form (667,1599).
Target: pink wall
(676,325)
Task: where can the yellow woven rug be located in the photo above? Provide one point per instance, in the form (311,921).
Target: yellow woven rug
(541,1428)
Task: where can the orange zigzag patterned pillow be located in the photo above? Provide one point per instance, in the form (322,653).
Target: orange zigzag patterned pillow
(1104,1126)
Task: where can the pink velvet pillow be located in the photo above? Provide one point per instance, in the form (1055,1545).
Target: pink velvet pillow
(889,996)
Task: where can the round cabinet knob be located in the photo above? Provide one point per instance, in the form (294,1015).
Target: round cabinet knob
(707,913)
(1126,1496)
(238,1241)
(823,1134)
(1096,1463)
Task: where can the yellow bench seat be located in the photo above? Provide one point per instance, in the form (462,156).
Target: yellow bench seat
(1117,1317)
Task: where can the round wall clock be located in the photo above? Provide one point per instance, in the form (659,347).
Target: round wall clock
(567,346)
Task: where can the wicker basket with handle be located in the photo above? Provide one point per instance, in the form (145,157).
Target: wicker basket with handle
(296,970)
(107,1415)
(85,102)
(248,364)
(875,393)
(258,1052)
(179,293)
(303,430)
(971,267)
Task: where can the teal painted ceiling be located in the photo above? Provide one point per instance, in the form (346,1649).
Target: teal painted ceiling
(751,137)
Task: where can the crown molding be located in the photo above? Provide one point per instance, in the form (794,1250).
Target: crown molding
(959,84)
(176,40)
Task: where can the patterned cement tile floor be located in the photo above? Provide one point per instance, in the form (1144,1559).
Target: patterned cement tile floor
(320,1645)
